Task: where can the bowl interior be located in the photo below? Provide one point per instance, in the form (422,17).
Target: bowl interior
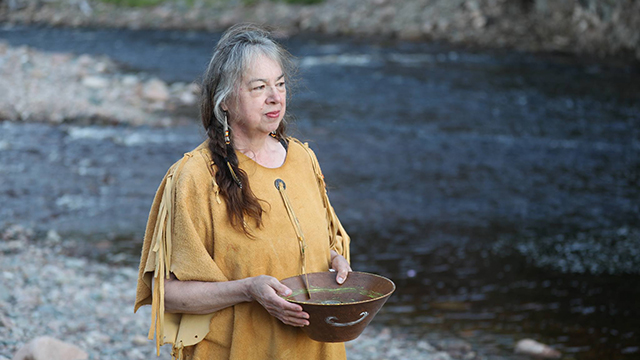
(323,288)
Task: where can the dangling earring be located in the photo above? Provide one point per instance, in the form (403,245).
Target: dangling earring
(273,134)
(227,139)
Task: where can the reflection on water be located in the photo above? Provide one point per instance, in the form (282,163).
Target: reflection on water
(493,300)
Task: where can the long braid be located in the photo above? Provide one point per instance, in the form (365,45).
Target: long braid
(241,201)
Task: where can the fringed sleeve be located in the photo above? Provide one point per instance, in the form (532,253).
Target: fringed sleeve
(338,238)
(155,264)
(176,239)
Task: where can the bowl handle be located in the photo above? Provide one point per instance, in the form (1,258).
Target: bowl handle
(331,320)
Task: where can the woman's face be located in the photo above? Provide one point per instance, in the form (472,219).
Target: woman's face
(261,99)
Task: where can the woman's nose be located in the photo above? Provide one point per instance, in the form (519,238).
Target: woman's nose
(275,97)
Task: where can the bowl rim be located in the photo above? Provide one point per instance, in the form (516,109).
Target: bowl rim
(342,304)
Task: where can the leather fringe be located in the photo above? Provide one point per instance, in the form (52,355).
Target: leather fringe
(332,219)
(162,249)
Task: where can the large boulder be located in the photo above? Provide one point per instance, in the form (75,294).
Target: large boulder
(48,348)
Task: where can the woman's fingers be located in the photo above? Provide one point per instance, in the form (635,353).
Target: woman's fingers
(265,290)
(280,288)
(291,315)
(294,318)
(342,268)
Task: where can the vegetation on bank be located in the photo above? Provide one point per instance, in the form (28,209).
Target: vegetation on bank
(191,3)
(597,27)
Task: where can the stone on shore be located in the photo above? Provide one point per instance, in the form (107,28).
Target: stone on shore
(536,350)
(156,90)
(48,348)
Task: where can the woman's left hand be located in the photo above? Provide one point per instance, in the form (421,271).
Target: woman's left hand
(340,265)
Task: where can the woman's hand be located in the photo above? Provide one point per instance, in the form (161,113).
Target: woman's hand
(340,265)
(265,290)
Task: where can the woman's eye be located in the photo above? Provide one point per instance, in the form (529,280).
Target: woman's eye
(261,87)
(280,84)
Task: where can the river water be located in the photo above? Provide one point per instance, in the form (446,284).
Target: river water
(499,190)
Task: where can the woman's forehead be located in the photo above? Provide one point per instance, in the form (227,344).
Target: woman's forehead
(262,67)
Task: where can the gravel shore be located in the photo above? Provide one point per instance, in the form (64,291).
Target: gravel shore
(43,291)
(95,90)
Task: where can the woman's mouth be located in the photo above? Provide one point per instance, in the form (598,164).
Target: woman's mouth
(273,114)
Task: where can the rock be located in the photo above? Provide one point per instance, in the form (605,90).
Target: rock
(423,345)
(410,33)
(95,82)
(17,233)
(5,321)
(101,67)
(454,346)
(53,237)
(156,90)
(479,21)
(84,60)
(130,80)
(441,356)
(427,27)
(48,348)
(140,340)
(537,350)
(188,98)
(385,334)
(60,59)
(194,88)
(9,276)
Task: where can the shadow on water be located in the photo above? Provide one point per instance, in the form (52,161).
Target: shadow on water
(499,190)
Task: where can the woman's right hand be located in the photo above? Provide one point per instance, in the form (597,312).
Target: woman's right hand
(265,290)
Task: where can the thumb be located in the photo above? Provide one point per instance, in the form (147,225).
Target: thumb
(342,276)
(281,289)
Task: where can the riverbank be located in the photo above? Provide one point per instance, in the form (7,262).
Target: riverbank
(46,292)
(96,91)
(593,27)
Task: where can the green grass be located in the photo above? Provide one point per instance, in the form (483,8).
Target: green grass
(303,2)
(299,2)
(134,3)
(145,3)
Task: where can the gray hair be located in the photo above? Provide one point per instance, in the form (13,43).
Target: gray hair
(239,46)
(234,53)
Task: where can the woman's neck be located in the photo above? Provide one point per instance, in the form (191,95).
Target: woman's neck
(264,150)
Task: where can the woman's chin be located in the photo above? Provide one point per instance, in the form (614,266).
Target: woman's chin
(274,125)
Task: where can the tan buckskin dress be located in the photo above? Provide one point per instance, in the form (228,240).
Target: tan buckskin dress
(188,234)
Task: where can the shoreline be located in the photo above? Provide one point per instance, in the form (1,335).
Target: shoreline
(476,24)
(101,91)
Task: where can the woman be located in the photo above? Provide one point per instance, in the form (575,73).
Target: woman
(244,209)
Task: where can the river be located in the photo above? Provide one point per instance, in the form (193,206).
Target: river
(499,190)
